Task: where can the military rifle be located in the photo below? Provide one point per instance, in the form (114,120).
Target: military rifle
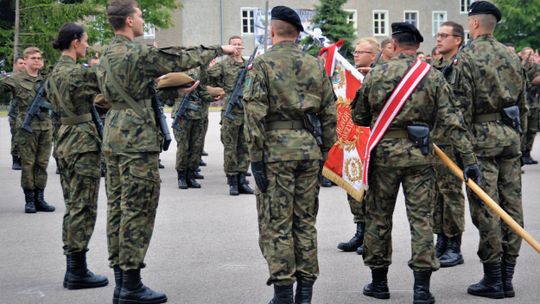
(38,103)
(235,99)
(97,121)
(181,112)
(374,63)
(161,120)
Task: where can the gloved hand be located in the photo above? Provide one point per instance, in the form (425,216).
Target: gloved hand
(259,173)
(472,171)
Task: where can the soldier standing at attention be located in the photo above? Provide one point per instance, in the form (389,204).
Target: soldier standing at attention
(397,159)
(449,215)
(71,88)
(35,147)
(491,92)
(131,142)
(365,53)
(533,97)
(284,87)
(235,148)
(12,117)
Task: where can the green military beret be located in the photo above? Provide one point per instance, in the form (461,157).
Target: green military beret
(172,80)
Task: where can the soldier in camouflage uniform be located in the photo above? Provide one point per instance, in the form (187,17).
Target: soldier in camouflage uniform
(490,90)
(71,89)
(398,160)
(449,215)
(235,148)
(35,147)
(12,117)
(533,97)
(131,142)
(284,85)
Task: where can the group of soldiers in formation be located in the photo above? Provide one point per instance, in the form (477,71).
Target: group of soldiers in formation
(474,103)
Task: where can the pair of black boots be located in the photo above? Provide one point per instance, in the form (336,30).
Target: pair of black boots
(78,276)
(130,290)
(16,164)
(448,250)
(186,179)
(238,184)
(526,158)
(284,294)
(378,288)
(497,281)
(35,201)
(356,243)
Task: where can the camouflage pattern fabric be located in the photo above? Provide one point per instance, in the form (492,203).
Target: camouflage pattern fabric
(398,161)
(77,150)
(13,131)
(131,144)
(35,147)
(533,71)
(491,78)
(358,210)
(284,84)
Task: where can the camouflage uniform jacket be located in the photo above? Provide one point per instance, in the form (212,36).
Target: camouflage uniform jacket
(490,78)
(223,75)
(533,71)
(12,109)
(135,66)
(430,104)
(438,133)
(284,85)
(24,87)
(77,86)
(200,99)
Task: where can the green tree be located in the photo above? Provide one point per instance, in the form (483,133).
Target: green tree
(520,24)
(334,23)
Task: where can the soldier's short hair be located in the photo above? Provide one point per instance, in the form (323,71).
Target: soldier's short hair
(385,42)
(406,40)
(30,51)
(19,58)
(234,37)
(284,29)
(457,29)
(373,44)
(119,10)
(487,21)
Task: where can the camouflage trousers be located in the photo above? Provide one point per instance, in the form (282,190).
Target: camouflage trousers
(501,174)
(527,139)
(358,210)
(35,151)
(449,214)
(188,144)
(13,131)
(419,190)
(79,176)
(235,148)
(204,126)
(287,213)
(133,186)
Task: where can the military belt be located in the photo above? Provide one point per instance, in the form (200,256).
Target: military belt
(285,125)
(396,133)
(75,120)
(145,103)
(487,117)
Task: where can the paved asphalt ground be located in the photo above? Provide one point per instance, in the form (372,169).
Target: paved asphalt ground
(204,249)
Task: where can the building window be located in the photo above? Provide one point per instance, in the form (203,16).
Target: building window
(248,20)
(464,6)
(149,31)
(411,17)
(467,37)
(439,17)
(351,17)
(380,23)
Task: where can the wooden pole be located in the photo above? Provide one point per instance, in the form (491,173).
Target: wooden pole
(488,200)
(17,29)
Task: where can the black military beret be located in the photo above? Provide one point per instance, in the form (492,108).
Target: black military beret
(404,27)
(287,14)
(484,8)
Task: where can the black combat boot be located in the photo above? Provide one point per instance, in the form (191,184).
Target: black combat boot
(325,182)
(452,256)
(191,181)
(160,165)
(507,272)
(491,286)
(378,288)
(282,295)
(441,244)
(41,204)
(118,283)
(360,250)
(304,291)
(202,163)
(182,179)
(243,184)
(204,153)
(232,181)
(133,290)
(29,198)
(421,288)
(526,158)
(197,174)
(78,276)
(356,241)
(16,165)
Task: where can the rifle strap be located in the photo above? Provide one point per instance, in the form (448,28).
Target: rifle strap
(57,95)
(139,110)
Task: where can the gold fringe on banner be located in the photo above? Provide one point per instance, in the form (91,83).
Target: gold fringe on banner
(338,180)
